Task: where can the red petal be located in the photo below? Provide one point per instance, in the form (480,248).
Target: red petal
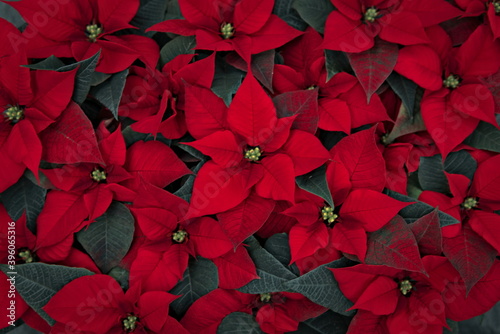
(23,145)
(71,139)
(156,223)
(380,297)
(180,27)
(274,34)
(235,269)
(97,200)
(278,181)
(200,13)
(344,34)
(487,225)
(252,113)
(427,232)
(246,218)
(351,9)
(221,146)
(334,115)
(474,100)
(306,151)
(115,14)
(250,15)
(402,28)
(154,307)
(370,208)
(96,295)
(208,237)
(155,163)
(349,238)
(426,74)
(486,182)
(306,240)
(113,146)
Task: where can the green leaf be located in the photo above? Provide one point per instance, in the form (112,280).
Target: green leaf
(405,124)
(10,14)
(485,137)
(431,174)
(150,12)
(178,46)
(227,80)
(130,136)
(327,323)
(454,329)
(121,275)
(314,12)
(191,150)
(24,196)
(51,63)
(406,89)
(239,323)
(315,183)
(86,69)
(200,278)
(284,10)
(330,138)
(460,162)
(37,283)
(273,274)
(304,104)
(173,10)
(186,190)
(320,286)
(413,212)
(336,62)
(108,239)
(277,245)
(110,91)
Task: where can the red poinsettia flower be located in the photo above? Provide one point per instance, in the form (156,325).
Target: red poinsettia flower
(80,29)
(342,101)
(247,27)
(353,26)
(97,304)
(399,301)
(259,150)
(30,101)
(276,313)
(491,9)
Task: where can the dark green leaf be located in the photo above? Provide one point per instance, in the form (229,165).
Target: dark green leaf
(406,89)
(336,62)
(121,275)
(37,283)
(331,138)
(108,239)
(454,329)
(283,8)
(227,80)
(191,150)
(110,91)
(24,196)
(405,124)
(173,10)
(239,323)
(315,183)
(431,174)
(320,286)
(304,104)
(130,136)
(98,78)
(83,78)
(178,46)
(10,14)
(200,278)
(272,273)
(186,190)
(314,12)
(327,323)
(485,137)
(51,63)
(460,162)
(413,212)
(150,12)
(277,245)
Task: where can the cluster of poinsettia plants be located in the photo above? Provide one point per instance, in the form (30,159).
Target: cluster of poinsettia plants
(249,166)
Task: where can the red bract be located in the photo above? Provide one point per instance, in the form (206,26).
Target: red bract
(260,150)
(81,29)
(105,308)
(248,27)
(353,26)
(31,101)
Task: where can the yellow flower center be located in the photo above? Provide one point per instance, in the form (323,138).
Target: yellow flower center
(265,297)
(227,30)
(179,236)
(14,114)
(130,323)
(327,214)
(496,5)
(253,154)
(452,81)
(371,14)
(93,30)
(405,287)
(27,256)
(98,175)
(469,203)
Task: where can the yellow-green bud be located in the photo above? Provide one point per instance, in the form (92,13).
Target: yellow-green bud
(405,287)
(227,30)
(98,175)
(179,236)
(265,297)
(27,256)
(327,214)
(371,14)
(452,81)
(496,5)
(253,154)
(469,203)
(93,31)
(130,323)
(14,114)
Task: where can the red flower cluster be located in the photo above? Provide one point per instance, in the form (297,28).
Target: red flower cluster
(196,166)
